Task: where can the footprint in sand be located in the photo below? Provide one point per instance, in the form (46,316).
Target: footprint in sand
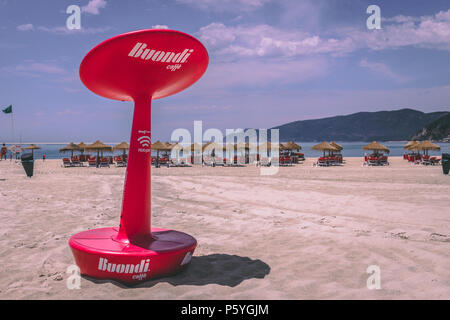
(439,237)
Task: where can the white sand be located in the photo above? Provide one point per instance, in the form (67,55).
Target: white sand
(305,233)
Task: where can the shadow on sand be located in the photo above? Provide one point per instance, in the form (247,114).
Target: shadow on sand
(222,269)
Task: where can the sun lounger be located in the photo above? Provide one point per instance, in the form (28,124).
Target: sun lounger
(92,162)
(76,162)
(175,162)
(435,161)
(104,162)
(383,161)
(119,162)
(322,162)
(373,161)
(66,163)
(219,161)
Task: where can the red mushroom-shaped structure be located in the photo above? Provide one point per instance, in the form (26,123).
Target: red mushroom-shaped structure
(139,66)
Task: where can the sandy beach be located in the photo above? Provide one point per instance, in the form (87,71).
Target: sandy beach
(304,233)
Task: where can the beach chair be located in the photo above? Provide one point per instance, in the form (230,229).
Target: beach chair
(178,162)
(76,162)
(66,163)
(265,161)
(373,161)
(92,162)
(435,161)
(218,161)
(104,162)
(322,162)
(383,161)
(119,162)
(207,161)
(333,161)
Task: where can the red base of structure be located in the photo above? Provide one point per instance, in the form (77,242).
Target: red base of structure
(100,255)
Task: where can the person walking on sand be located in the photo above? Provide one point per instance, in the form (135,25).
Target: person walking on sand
(3,152)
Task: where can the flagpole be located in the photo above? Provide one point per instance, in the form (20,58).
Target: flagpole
(12,127)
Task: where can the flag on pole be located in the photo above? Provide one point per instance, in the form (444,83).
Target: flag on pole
(7,109)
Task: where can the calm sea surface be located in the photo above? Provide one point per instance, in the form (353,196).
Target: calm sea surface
(351,149)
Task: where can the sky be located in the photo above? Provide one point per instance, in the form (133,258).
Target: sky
(271,62)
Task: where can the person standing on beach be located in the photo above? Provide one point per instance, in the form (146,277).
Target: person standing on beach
(3,152)
(43,157)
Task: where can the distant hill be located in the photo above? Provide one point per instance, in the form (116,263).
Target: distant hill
(436,130)
(361,126)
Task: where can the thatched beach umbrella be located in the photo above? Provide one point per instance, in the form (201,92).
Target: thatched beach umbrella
(324,146)
(70,147)
(375,146)
(409,144)
(82,145)
(425,146)
(100,147)
(251,146)
(32,147)
(337,146)
(124,146)
(195,146)
(159,146)
(213,148)
(268,146)
(291,145)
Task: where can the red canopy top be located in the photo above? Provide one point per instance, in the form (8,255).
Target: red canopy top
(151,62)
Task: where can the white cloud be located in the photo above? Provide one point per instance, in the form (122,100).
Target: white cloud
(267,41)
(232,42)
(160,26)
(401,31)
(94,6)
(382,69)
(25,27)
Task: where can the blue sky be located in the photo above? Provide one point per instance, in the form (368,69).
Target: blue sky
(271,62)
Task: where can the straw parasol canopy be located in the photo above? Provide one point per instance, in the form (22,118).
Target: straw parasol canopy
(291,145)
(122,146)
(168,144)
(82,145)
(426,145)
(195,146)
(375,146)
(70,147)
(324,146)
(215,147)
(32,147)
(268,146)
(409,144)
(159,146)
(100,147)
(337,146)
(249,146)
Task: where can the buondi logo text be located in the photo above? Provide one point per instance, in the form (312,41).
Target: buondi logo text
(138,270)
(140,50)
